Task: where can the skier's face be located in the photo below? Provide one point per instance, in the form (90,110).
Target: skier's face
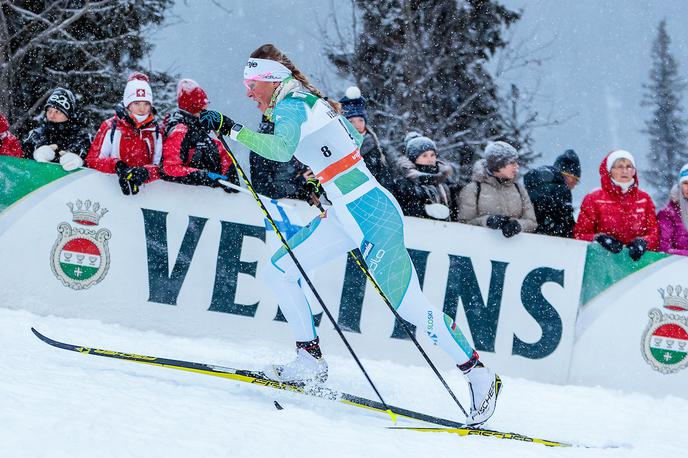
(260,92)
(55,115)
(684,189)
(622,171)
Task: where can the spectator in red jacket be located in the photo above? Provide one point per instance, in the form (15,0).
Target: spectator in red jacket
(190,154)
(9,144)
(619,213)
(130,143)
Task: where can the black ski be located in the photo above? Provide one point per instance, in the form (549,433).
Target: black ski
(261,379)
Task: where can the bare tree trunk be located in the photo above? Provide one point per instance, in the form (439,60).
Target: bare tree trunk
(5,68)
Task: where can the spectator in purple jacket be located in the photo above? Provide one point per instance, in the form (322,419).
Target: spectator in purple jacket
(673,219)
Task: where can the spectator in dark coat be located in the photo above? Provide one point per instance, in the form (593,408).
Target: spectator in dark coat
(274,179)
(9,145)
(60,138)
(353,105)
(549,188)
(427,189)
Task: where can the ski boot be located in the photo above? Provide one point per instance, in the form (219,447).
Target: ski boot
(309,367)
(484,387)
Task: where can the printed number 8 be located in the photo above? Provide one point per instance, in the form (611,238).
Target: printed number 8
(326,151)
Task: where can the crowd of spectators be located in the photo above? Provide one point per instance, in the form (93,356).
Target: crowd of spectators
(140,147)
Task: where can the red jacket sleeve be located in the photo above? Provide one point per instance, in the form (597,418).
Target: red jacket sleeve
(225,161)
(93,159)
(11,146)
(153,172)
(651,235)
(585,228)
(172,163)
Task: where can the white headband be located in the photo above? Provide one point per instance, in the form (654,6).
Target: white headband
(265,70)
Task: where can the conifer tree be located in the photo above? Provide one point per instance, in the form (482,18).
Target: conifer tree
(666,126)
(422,66)
(87,46)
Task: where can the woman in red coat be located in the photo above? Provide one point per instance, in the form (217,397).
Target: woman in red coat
(619,213)
(130,143)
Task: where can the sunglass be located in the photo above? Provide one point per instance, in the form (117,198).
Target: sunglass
(574,177)
(250,83)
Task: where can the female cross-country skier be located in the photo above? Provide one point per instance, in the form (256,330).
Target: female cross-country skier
(363,215)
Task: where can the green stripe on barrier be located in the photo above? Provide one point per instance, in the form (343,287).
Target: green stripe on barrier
(19,177)
(603,269)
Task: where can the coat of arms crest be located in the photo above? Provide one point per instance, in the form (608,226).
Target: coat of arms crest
(665,340)
(80,257)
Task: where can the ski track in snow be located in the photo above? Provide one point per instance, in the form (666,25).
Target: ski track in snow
(57,403)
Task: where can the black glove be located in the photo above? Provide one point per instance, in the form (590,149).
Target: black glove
(314,190)
(216,122)
(130,178)
(313,186)
(609,243)
(637,248)
(496,221)
(511,228)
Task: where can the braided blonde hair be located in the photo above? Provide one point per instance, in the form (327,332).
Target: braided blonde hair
(270,51)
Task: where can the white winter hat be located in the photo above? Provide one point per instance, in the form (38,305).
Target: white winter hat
(616,155)
(137,89)
(683,174)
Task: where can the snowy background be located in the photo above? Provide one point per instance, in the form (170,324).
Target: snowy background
(596,57)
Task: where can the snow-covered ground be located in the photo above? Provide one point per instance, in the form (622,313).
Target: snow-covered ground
(57,403)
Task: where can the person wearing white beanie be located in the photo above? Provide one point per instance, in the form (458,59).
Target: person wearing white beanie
(673,219)
(619,215)
(130,143)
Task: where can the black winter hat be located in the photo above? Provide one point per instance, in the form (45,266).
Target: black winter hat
(569,163)
(62,99)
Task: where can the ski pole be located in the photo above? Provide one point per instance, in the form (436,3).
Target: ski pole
(241,173)
(364,267)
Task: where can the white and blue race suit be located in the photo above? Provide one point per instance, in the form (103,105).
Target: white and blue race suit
(363,215)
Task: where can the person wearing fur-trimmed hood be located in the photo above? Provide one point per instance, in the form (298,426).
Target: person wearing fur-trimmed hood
(427,188)
(493,198)
(673,219)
